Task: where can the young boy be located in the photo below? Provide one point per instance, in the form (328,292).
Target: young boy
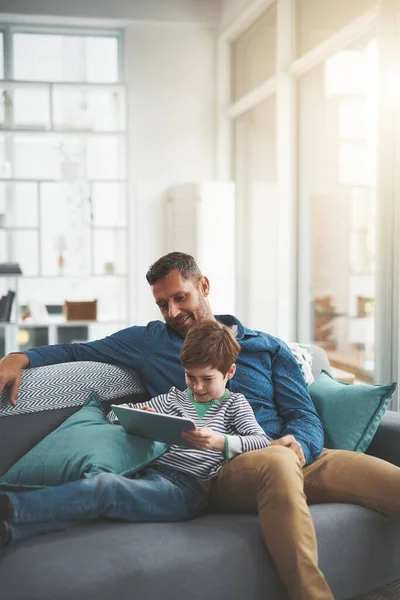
(174,486)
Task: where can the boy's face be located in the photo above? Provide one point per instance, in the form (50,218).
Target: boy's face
(206,383)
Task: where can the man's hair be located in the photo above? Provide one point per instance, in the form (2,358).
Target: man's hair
(209,343)
(185,264)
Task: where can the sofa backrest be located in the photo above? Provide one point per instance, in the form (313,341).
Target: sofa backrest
(320,359)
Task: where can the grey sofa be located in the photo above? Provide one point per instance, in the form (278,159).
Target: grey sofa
(217,556)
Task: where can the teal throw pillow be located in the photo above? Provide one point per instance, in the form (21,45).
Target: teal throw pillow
(86,444)
(350,414)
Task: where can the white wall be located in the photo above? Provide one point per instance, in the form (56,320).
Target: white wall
(230,9)
(170,73)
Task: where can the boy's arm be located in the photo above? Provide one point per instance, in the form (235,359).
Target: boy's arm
(249,435)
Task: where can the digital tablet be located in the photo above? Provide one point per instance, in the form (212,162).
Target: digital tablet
(154,426)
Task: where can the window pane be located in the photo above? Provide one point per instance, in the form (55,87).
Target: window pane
(49,57)
(65,222)
(99,110)
(317,20)
(37,157)
(5,165)
(109,249)
(1,56)
(254,54)
(109,204)
(68,158)
(24,250)
(337,183)
(105,158)
(257,213)
(20,204)
(31,108)
(3,246)
(102,59)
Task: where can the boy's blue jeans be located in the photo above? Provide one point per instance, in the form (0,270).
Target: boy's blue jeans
(157,494)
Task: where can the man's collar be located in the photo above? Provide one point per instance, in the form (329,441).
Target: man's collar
(241,330)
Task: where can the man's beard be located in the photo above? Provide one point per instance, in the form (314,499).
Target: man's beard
(202,314)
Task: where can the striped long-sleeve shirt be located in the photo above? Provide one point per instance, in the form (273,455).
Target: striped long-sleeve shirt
(231,416)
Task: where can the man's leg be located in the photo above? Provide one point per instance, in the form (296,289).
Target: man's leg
(354,478)
(270,481)
(152,497)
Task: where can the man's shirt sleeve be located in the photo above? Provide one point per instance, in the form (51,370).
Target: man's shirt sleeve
(295,405)
(127,347)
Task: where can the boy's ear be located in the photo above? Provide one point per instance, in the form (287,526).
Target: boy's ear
(231,371)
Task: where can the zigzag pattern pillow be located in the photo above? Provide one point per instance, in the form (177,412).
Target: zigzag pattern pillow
(69,384)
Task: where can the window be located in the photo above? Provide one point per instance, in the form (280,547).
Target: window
(337,193)
(63,207)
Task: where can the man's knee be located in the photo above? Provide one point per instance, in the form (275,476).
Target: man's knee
(271,458)
(276,465)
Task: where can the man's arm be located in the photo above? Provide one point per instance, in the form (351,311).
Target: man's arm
(126,347)
(295,405)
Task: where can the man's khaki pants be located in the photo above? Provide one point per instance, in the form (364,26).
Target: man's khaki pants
(272,482)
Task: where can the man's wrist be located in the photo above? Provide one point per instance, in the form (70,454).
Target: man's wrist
(24,359)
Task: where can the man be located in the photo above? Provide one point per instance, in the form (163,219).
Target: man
(277,481)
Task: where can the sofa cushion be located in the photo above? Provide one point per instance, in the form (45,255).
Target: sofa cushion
(69,384)
(350,414)
(304,360)
(84,445)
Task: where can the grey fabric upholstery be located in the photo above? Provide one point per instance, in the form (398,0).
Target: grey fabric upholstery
(386,443)
(217,557)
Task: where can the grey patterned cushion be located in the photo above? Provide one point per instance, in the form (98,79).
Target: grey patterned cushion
(69,384)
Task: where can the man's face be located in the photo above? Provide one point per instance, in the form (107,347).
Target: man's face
(182,302)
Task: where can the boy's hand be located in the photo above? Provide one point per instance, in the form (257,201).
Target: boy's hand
(205,439)
(148,409)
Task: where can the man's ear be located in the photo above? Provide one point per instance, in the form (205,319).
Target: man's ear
(204,285)
(231,371)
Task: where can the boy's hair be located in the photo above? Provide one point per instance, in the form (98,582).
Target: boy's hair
(209,343)
(185,264)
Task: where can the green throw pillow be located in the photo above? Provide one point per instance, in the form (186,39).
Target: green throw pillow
(86,444)
(350,414)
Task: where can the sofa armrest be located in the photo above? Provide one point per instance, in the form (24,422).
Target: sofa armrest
(386,442)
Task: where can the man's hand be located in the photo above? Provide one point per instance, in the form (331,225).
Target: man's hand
(148,409)
(205,439)
(10,374)
(289,441)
